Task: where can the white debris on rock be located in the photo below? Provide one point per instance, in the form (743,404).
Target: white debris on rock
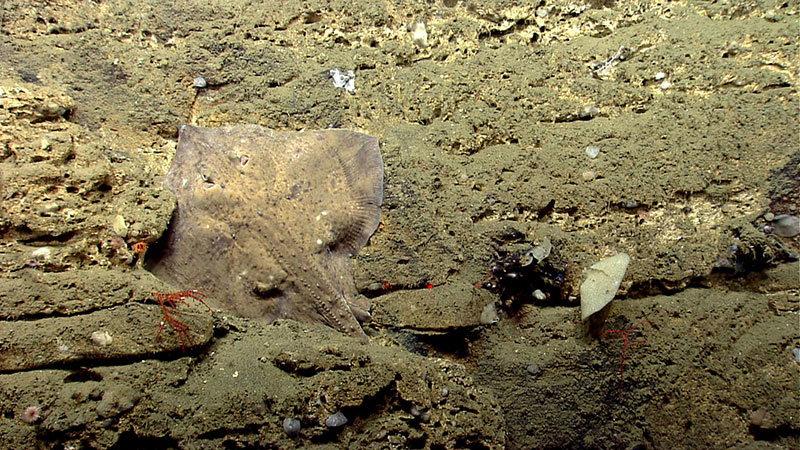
(344,80)
(41,254)
(419,34)
(489,314)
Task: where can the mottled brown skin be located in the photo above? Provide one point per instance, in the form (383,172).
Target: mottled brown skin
(267,221)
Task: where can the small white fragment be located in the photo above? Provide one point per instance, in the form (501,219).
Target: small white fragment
(199,83)
(49,208)
(319,241)
(592,151)
(420,34)
(344,80)
(62,347)
(101,338)
(588,112)
(526,259)
(235,374)
(539,295)
(489,314)
(540,252)
(119,226)
(665,85)
(41,254)
(660,76)
(771,16)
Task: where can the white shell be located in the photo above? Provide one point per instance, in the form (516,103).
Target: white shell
(602,282)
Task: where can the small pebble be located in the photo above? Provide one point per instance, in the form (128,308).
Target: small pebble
(336,420)
(136,230)
(119,226)
(592,151)
(539,295)
(786,225)
(769,217)
(660,76)
(199,83)
(796,353)
(102,338)
(760,418)
(588,175)
(445,392)
(291,426)
(533,369)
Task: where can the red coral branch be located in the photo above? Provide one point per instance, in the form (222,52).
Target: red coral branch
(625,344)
(169,302)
